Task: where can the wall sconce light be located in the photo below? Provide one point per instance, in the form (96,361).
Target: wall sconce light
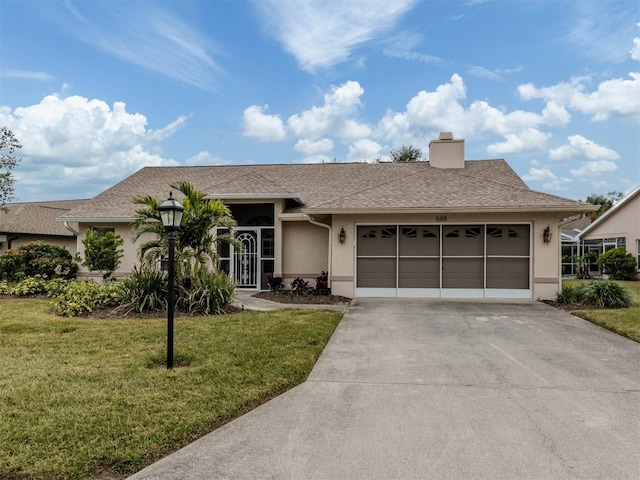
(546,235)
(342,236)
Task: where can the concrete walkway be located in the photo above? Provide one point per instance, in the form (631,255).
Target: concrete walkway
(410,389)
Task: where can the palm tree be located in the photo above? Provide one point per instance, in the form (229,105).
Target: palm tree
(196,241)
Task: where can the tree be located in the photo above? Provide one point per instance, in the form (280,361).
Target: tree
(196,241)
(102,254)
(8,145)
(406,154)
(605,202)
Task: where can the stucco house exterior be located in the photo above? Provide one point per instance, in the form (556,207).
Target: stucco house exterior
(448,227)
(28,222)
(617,227)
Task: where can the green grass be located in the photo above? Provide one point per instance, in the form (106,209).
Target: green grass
(80,397)
(624,321)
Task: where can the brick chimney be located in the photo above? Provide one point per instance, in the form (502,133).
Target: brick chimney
(446,152)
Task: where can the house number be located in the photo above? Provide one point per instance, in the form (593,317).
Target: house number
(441,218)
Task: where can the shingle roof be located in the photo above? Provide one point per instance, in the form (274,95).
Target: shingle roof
(37,218)
(339,187)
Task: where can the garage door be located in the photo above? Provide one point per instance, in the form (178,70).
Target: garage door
(455,261)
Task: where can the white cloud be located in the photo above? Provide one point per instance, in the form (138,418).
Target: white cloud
(323,34)
(600,30)
(428,113)
(635,50)
(205,158)
(263,127)
(332,118)
(527,140)
(73,139)
(613,98)
(582,148)
(594,168)
(147,35)
(308,147)
(550,181)
(483,72)
(364,150)
(27,75)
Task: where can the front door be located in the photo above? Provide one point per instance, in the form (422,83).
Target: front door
(246,260)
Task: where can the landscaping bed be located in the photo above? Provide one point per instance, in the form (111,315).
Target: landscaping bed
(302,299)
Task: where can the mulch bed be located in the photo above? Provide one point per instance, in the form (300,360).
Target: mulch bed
(306,299)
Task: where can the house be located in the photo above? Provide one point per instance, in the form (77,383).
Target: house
(449,227)
(617,227)
(28,222)
(570,229)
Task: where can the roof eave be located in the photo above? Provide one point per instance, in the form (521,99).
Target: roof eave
(97,219)
(257,196)
(450,210)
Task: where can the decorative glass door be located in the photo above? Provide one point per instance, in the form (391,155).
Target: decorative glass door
(246,260)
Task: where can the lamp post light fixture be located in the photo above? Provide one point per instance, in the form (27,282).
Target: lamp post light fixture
(546,235)
(171,216)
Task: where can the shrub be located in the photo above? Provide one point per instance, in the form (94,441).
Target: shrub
(618,264)
(57,286)
(144,290)
(210,292)
(81,297)
(37,258)
(606,294)
(299,286)
(322,284)
(102,253)
(275,284)
(5,289)
(567,295)
(35,285)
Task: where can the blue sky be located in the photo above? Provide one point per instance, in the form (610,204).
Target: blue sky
(97,89)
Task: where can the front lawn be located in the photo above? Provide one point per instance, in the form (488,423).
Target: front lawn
(624,321)
(85,397)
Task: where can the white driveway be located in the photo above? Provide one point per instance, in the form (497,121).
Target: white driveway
(414,389)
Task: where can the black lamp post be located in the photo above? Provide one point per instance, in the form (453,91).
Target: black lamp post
(171,215)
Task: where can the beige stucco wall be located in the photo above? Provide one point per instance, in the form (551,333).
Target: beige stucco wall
(67,242)
(130,249)
(302,248)
(546,279)
(623,222)
(305,250)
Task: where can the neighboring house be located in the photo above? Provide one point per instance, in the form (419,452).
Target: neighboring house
(28,222)
(570,229)
(443,228)
(617,227)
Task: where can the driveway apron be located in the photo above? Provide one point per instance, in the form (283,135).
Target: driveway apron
(434,389)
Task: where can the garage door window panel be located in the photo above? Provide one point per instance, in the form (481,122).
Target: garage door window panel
(463,241)
(419,241)
(510,240)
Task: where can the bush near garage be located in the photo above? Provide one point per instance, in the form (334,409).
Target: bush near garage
(598,293)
